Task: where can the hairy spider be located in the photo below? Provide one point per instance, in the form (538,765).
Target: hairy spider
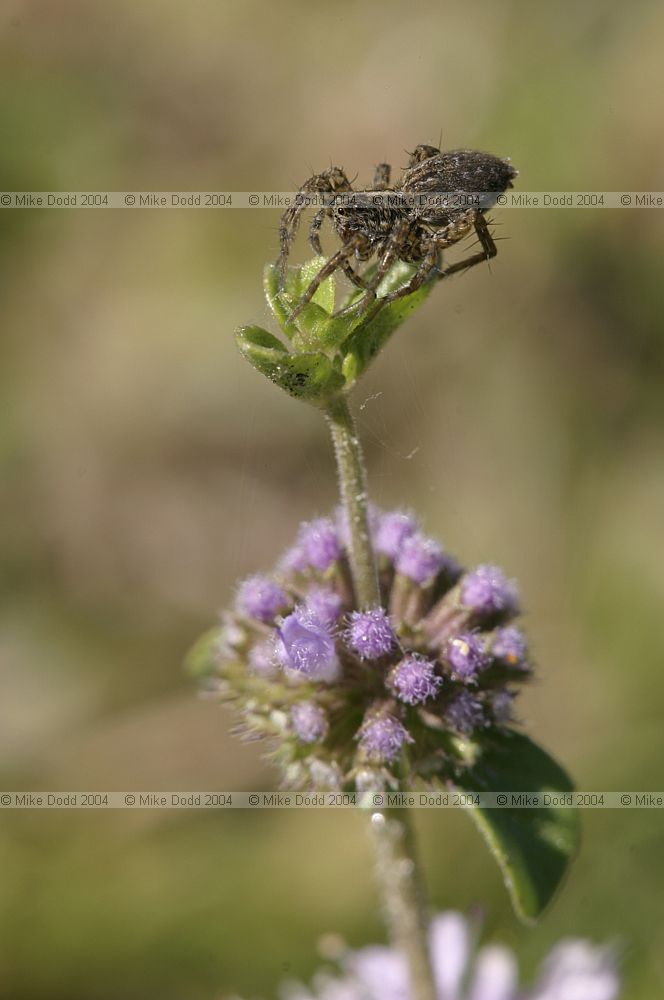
(330,183)
(439,198)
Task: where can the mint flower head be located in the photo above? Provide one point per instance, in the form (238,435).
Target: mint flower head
(399,691)
(370,634)
(369,658)
(574,970)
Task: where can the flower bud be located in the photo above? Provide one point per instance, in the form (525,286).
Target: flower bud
(466,656)
(261,598)
(414,680)
(309,722)
(487,592)
(382,737)
(306,646)
(370,634)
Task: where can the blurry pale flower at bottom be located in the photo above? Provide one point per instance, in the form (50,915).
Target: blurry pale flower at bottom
(574,970)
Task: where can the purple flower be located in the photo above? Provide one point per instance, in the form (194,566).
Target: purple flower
(293,560)
(421,558)
(261,598)
(463,714)
(578,969)
(380,972)
(326,777)
(370,634)
(434,633)
(466,654)
(392,530)
(495,975)
(509,646)
(450,943)
(262,659)
(309,722)
(382,736)
(306,645)
(502,704)
(414,680)
(487,591)
(319,543)
(574,970)
(324,603)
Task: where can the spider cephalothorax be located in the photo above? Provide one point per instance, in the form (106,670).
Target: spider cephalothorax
(439,198)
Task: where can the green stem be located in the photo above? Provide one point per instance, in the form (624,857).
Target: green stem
(403,896)
(396,866)
(353,486)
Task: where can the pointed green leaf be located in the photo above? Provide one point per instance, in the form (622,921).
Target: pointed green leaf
(532,846)
(310,324)
(369,338)
(296,282)
(271,289)
(259,341)
(261,349)
(317,329)
(310,376)
(398,275)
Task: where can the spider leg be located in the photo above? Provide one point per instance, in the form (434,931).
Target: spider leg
(390,254)
(329,182)
(382,174)
(314,240)
(488,251)
(314,230)
(288,227)
(429,262)
(353,276)
(332,264)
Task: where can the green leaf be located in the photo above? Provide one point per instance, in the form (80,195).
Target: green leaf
(369,338)
(259,342)
(317,329)
(324,294)
(202,659)
(533,846)
(296,282)
(261,349)
(311,376)
(271,289)
(398,275)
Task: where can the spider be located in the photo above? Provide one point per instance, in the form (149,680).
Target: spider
(439,198)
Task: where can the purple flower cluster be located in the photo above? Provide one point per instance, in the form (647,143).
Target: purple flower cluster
(345,692)
(261,598)
(574,970)
(414,680)
(309,722)
(487,591)
(382,736)
(466,656)
(305,645)
(370,634)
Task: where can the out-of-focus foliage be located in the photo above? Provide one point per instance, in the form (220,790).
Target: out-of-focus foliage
(145,466)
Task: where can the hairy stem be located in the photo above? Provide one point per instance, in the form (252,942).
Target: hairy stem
(396,867)
(353,487)
(403,896)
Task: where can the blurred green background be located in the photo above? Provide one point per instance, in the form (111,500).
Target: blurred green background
(145,467)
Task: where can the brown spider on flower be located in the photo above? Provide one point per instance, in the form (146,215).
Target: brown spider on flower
(439,198)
